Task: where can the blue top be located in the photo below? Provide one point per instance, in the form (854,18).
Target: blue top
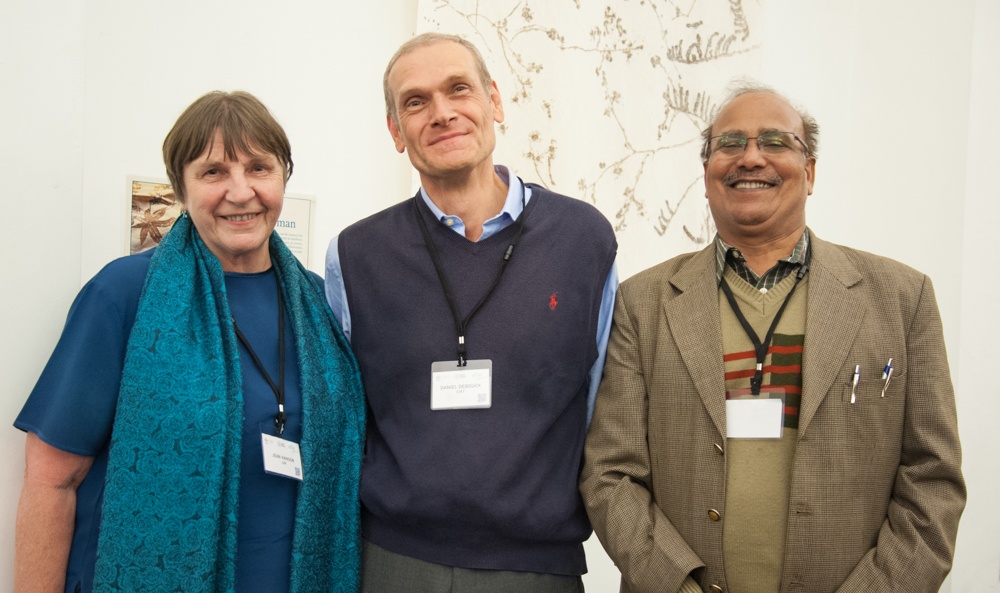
(73,404)
(513,205)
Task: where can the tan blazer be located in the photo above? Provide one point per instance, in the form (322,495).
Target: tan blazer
(876,490)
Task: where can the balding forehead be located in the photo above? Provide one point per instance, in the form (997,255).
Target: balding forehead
(758,112)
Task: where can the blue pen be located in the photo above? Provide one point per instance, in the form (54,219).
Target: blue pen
(854,383)
(886,376)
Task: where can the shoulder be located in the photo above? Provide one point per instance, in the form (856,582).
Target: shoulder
(122,279)
(126,269)
(888,286)
(682,268)
(872,269)
(567,206)
(570,228)
(401,212)
(113,294)
(370,241)
(642,296)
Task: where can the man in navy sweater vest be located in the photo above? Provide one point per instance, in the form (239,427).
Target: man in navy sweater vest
(479,312)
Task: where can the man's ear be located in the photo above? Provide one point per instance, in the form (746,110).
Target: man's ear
(810,173)
(397,138)
(497,103)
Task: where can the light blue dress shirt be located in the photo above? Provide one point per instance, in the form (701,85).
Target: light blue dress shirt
(336,293)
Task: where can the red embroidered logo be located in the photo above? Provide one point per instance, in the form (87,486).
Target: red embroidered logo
(553,303)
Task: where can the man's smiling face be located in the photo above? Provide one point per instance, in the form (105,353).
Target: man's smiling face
(754,194)
(445,112)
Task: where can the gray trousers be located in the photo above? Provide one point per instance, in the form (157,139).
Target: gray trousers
(383,571)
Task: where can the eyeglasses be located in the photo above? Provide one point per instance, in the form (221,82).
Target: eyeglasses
(768,143)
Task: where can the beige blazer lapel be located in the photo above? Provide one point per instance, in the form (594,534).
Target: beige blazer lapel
(693,321)
(834,315)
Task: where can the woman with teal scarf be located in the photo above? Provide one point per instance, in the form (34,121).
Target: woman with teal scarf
(199,426)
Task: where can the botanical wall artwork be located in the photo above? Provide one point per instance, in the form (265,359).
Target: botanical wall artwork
(605,102)
(154,209)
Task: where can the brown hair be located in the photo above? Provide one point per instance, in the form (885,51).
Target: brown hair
(245,124)
(429,39)
(810,129)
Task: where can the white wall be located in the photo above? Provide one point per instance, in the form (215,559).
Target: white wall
(977,565)
(906,94)
(41,167)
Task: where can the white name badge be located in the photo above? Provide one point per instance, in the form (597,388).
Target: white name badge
(281,457)
(461,388)
(758,418)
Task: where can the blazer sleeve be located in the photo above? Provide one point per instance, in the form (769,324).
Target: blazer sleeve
(916,542)
(616,482)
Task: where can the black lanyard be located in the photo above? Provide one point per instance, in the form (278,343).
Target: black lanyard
(460,323)
(279,389)
(760,348)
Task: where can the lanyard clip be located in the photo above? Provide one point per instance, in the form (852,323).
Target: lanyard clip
(461,351)
(757,379)
(279,420)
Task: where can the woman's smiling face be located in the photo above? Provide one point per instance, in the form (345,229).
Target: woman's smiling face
(235,204)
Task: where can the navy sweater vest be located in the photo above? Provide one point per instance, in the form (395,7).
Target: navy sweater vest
(487,488)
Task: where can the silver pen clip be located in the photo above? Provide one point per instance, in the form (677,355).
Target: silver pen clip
(886,376)
(854,383)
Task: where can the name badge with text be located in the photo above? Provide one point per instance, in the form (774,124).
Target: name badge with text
(461,388)
(281,457)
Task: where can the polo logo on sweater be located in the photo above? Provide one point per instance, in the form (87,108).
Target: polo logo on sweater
(553,303)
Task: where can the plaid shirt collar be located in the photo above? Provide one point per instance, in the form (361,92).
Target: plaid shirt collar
(728,254)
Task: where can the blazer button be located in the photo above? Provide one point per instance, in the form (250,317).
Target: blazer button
(715,589)
(714,515)
(719,450)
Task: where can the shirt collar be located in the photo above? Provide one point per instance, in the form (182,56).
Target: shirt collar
(722,250)
(512,206)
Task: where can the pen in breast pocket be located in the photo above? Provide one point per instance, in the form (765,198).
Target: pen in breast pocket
(854,383)
(886,376)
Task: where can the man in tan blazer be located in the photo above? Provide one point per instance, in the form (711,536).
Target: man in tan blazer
(776,412)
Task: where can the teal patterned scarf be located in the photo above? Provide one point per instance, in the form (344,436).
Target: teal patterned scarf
(171,494)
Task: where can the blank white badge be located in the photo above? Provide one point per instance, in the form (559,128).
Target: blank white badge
(757,418)
(461,388)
